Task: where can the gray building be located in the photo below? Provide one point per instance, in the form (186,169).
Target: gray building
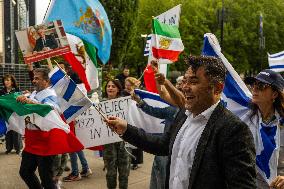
(15,15)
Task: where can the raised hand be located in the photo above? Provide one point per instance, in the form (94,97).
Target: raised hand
(160,78)
(155,66)
(278,183)
(116,124)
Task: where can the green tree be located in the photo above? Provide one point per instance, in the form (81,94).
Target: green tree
(122,15)
(241,29)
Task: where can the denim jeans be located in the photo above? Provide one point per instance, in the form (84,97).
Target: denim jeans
(74,163)
(158,174)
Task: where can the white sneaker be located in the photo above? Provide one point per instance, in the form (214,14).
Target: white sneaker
(86,173)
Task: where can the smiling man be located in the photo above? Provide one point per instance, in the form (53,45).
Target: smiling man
(208,147)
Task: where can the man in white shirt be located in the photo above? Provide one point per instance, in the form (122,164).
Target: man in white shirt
(208,146)
(31,159)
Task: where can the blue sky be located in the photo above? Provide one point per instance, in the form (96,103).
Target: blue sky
(41,7)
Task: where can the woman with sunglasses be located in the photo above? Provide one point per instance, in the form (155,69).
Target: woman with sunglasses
(266,111)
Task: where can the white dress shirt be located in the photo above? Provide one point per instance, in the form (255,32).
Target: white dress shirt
(185,146)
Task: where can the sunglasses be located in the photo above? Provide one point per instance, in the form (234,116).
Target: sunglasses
(259,86)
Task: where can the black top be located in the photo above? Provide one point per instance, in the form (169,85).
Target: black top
(3,91)
(121,77)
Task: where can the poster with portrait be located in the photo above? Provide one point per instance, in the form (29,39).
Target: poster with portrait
(43,41)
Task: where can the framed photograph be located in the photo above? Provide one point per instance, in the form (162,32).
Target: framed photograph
(43,41)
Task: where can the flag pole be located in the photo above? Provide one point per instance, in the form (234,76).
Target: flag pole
(96,108)
(49,64)
(46,10)
(142,74)
(105,119)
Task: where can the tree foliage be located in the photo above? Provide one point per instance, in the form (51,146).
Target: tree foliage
(122,15)
(131,18)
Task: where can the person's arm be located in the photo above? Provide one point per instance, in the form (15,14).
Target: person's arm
(25,100)
(166,89)
(161,113)
(158,145)
(53,102)
(49,64)
(176,95)
(278,182)
(237,154)
(154,144)
(31,72)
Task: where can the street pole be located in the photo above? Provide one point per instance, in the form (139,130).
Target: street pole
(222,25)
(144,40)
(261,40)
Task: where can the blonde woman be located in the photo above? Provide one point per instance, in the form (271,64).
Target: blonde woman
(131,83)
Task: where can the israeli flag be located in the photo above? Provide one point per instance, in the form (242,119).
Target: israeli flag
(147,50)
(236,98)
(142,120)
(276,61)
(72,100)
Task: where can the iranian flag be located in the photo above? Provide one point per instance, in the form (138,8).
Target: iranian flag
(89,73)
(166,41)
(45,132)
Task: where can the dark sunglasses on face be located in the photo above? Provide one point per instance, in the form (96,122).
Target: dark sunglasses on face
(259,86)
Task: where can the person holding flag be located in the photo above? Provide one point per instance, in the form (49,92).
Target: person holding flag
(30,158)
(263,119)
(206,141)
(262,111)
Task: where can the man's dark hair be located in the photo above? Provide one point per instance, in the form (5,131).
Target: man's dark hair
(214,68)
(125,67)
(66,65)
(44,72)
(73,75)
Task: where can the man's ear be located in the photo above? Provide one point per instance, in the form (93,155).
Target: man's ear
(275,94)
(218,89)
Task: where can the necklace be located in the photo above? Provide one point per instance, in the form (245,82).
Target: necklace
(268,119)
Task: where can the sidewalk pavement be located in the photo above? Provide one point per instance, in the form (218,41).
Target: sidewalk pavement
(10,178)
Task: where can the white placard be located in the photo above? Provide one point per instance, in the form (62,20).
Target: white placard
(170,17)
(90,128)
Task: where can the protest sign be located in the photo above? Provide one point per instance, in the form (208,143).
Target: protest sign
(43,41)
(90,127)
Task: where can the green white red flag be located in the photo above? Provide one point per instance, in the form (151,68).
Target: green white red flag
(45,132)
(166,41)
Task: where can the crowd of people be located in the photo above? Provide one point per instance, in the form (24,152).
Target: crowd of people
(204,145)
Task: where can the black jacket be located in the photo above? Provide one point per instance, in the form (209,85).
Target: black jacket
(225,155)
(3,91)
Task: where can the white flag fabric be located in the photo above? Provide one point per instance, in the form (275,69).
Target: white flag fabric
(170,17)
(140,119)
(72,100)
(236,97)
(147,50)
(91,71)
(276,61)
